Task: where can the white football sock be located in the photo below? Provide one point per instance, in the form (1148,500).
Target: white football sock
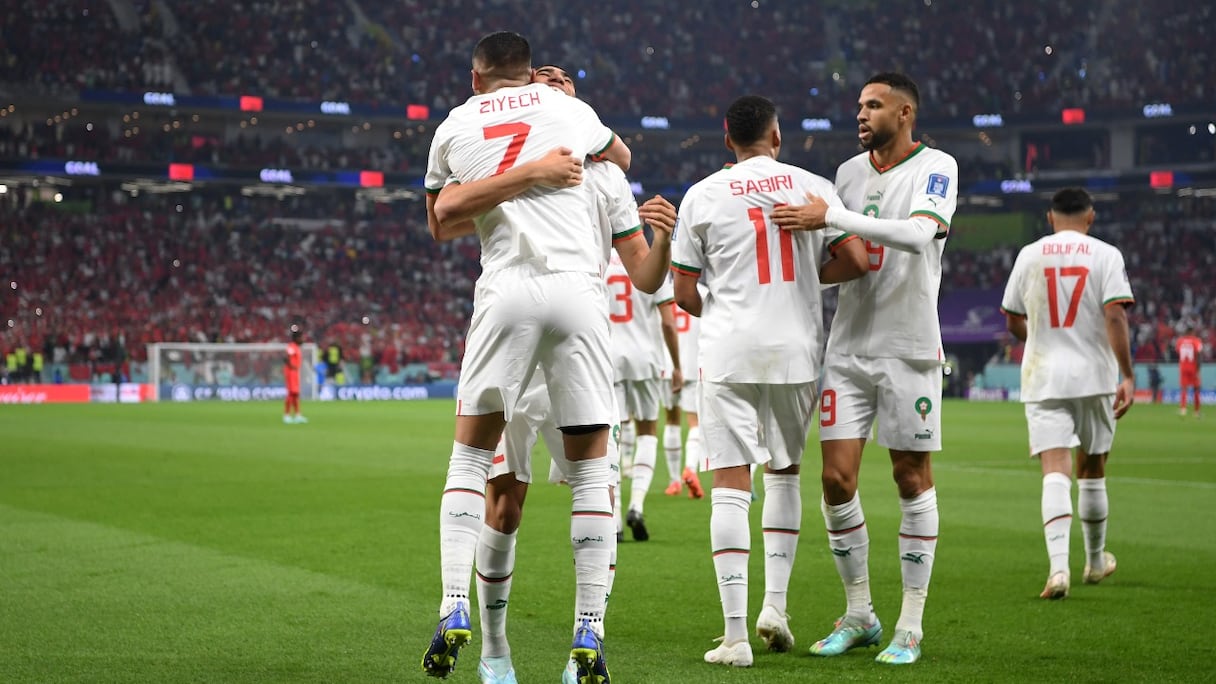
(592,537)
(495,563)
(671,449)
(643,471)
(781,520)
(730,540)
(1057,519)
(629,435)
(462,510)
(1093,508)
(917,549)
(694,450)
(849,541)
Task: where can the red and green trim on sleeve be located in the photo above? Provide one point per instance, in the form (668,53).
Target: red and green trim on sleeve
(943,225)
(1121,301)
(627,234)
(683,269)
(1010,312)
(840,241)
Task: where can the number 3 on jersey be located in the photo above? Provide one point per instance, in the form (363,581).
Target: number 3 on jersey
(786,243)
(622,291)
(518,132)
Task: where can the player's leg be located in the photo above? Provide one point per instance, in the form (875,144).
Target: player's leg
(909,425)
(505,496)
(1196,389)
(1184,386)
(673,441)
(787,419)
(578,369)
(503,332)
(629,433)
(1053,435)
(1096,432)
(644,398)
(694,445)
(287,417)
(847,407)
(731,414)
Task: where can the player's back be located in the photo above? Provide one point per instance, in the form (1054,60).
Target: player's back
(761,320)
(891,311)
(1065,281)
(490,133)
(1188,348)
(637,352)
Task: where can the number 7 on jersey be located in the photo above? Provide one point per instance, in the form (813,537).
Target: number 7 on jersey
(518,132)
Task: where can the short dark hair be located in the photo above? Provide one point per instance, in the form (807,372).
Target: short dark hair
(1071,201)
(900,82)
(748,119)
(503,51)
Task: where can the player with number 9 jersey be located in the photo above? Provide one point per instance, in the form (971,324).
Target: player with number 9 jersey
(1061,284)
(892,311)
(551,227)
(760,278)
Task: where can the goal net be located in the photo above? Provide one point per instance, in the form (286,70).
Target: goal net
(180,371)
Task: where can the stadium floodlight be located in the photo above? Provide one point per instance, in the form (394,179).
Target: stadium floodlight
(186,371)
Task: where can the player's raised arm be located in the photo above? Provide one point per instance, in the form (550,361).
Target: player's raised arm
(647,266)
(912,234)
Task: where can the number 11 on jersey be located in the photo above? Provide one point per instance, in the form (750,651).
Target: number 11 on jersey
(785,241)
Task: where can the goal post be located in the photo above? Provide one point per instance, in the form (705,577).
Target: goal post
(185,371)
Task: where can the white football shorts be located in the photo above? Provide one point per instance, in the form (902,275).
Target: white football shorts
(638,399)
(523,317)
(690,396)
(1086,422)
(752,423)
(904,396)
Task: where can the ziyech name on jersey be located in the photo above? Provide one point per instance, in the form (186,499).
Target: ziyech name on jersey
(507,102)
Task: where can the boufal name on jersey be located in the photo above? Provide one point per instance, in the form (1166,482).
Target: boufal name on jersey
(1066,248)
(770,184)
(509,102)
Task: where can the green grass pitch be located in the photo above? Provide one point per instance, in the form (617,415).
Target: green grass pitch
(212,543)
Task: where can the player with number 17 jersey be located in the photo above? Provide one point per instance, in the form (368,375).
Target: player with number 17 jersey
(725,237)
(891,312)
(1062,284)
(529,121)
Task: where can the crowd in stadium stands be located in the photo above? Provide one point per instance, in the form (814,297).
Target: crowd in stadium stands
(231,268)
(668,59)
(92,288)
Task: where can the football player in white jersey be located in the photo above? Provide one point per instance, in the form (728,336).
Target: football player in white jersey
(617,216)
(884,354)
(539,300)
(640,322)
(1067,298)
(761,349)
(686,404)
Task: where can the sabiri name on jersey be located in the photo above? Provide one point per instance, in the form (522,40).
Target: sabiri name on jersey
(770,184)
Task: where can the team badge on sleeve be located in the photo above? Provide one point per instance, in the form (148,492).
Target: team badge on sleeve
(937,185)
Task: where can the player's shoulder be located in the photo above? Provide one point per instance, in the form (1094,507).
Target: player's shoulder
(932,156)
(806,177)
(857,164)
(709,183)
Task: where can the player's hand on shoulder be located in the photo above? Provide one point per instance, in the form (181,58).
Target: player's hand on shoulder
(559,169)
(809,216)
(659,214)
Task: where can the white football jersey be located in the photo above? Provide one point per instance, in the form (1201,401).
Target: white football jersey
(637,349)
(490,133)
(892,310)
(762,320)
(615,206)
(1062,284)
